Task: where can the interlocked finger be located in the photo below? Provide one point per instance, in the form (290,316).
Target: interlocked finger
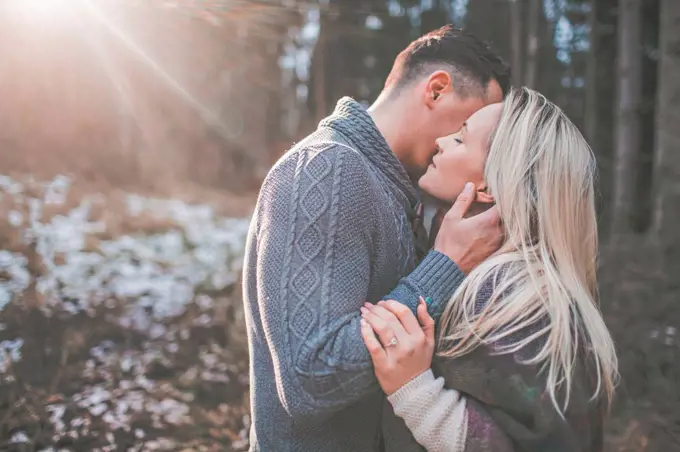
(404,314)
(385,324)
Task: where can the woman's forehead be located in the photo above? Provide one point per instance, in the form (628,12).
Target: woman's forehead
(484,119)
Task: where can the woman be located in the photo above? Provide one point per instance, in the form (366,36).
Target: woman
(525,361)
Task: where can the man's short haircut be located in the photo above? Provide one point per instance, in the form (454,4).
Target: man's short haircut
(471,62)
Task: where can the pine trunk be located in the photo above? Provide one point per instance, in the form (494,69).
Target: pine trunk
(667,163)
(627,143)
(516,41)
(531,69)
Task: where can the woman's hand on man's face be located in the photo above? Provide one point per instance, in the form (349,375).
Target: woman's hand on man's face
(400,344)
(469,241)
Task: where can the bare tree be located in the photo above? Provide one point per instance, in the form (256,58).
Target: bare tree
(319,68)
(600,102)
(627,134)
(495,28)
(591,76)
(531,69)
(667,155)
(516,41)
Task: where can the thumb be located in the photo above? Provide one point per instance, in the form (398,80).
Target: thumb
(426,321)
(464,201)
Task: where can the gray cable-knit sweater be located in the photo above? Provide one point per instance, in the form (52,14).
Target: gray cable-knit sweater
(331,230)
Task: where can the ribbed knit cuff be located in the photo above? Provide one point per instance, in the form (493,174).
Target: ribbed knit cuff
(411,387)
(437,277)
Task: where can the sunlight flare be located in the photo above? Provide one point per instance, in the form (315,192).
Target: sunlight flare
(52,10)
(210,117)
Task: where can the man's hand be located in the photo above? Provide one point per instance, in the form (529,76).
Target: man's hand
(468,241)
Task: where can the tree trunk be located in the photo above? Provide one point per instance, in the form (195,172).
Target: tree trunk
(550,68)
(628,115)
(600,100)
(516,41)
(438,16)
(319,69)
(644,167)
(667,155)
(495,28)
(590,113)
(531,68)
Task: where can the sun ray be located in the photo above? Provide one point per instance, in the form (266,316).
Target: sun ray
(50,10)
(118,81)
(210,117)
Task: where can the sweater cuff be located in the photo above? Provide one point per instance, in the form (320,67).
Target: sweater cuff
(437,277)
(405,392)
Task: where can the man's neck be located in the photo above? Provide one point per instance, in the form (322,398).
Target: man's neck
(387,116)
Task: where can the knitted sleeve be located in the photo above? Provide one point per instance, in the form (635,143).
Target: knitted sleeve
(436,416)
(314,236)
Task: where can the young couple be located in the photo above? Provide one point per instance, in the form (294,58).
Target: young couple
(363,337)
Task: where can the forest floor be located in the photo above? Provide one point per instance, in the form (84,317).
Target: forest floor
(120,321)
(121,326)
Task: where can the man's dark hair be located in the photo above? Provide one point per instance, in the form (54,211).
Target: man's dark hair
(471,62)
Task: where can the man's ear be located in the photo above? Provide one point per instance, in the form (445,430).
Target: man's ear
(438,83)
(483,195)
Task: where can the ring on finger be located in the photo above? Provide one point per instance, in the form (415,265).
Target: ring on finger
(392,343)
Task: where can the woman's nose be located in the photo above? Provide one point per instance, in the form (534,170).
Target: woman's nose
(438,146)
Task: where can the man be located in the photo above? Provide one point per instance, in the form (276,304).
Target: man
(333,229)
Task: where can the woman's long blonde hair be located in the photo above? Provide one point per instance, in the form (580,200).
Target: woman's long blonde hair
(541,172)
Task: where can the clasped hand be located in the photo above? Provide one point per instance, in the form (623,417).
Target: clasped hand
(401,345)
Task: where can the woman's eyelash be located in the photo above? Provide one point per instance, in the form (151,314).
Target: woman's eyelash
(458,140)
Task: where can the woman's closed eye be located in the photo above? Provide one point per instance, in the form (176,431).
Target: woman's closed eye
(458,140)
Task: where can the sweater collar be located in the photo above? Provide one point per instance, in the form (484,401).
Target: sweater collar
(352,120)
